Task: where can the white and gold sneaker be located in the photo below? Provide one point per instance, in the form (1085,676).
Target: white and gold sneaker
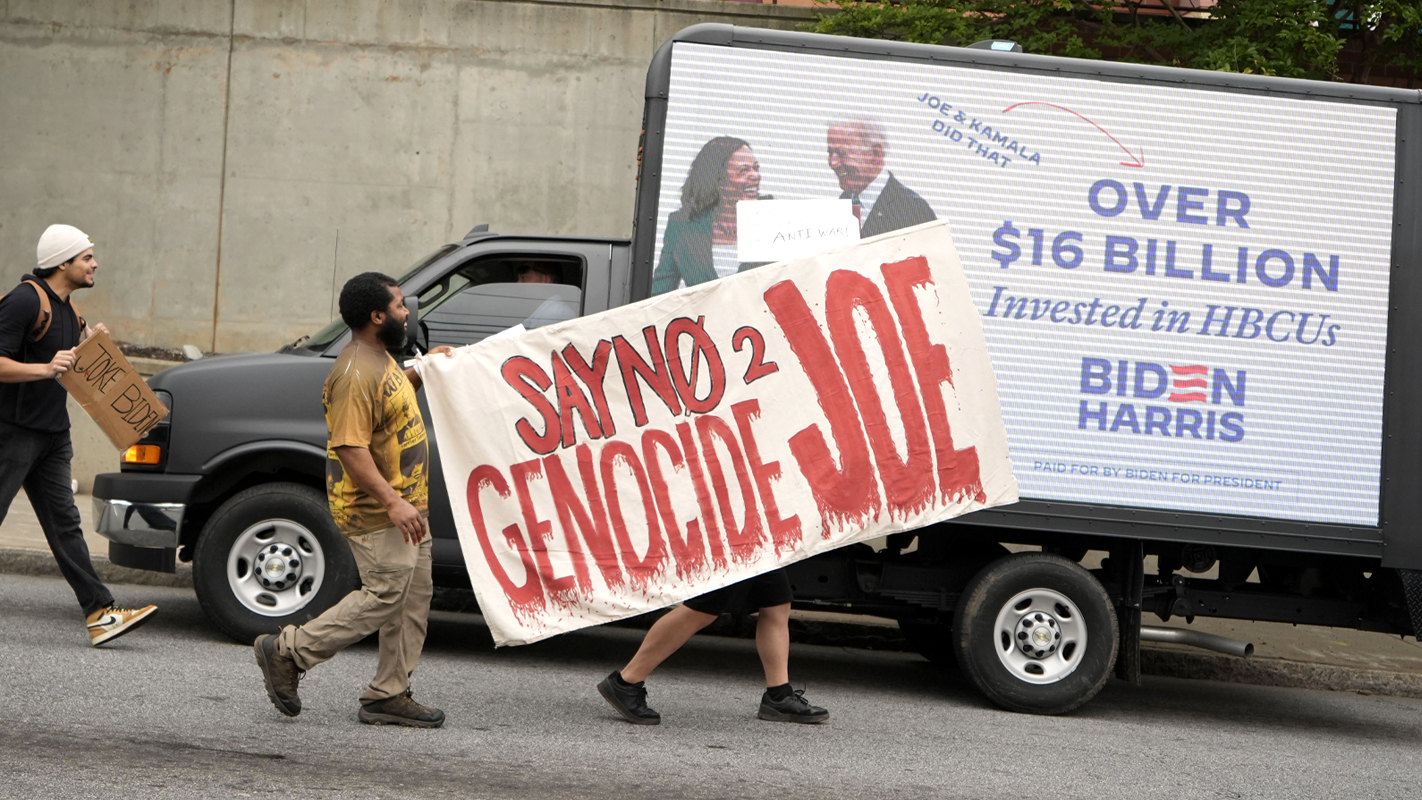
(108,624)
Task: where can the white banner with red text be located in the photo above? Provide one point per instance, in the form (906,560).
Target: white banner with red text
(623,462)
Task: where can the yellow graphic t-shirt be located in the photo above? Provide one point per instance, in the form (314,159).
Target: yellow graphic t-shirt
(369,403)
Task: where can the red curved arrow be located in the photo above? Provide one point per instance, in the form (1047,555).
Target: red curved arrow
(1139,157)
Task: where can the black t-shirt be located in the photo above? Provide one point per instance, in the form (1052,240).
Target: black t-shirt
(37,405)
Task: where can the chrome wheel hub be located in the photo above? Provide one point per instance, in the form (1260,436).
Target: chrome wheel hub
(1038,635)
(280,566)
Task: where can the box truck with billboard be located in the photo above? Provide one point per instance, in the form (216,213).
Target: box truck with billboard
(1198,291)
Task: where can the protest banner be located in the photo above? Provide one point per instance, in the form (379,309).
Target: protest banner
(619,463)
(112,392)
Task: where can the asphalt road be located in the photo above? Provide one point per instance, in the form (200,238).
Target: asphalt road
(176,710)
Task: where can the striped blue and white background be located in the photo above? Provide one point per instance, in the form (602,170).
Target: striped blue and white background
(1319,176)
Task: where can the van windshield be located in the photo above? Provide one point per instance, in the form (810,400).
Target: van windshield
(333,329)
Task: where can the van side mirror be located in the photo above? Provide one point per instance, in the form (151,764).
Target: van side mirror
(417,338)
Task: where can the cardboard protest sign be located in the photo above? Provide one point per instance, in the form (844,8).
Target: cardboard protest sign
(779,230)
(623,462)
(112,391)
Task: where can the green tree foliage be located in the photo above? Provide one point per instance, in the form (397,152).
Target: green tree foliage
(1291,38)
(1387,33)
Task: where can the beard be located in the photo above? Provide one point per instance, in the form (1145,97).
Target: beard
(392,334)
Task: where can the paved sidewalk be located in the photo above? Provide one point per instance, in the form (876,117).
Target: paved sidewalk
(21,530)
(1284,655)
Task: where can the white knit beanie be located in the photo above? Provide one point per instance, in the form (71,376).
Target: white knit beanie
(61,243)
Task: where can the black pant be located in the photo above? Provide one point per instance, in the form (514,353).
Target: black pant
(763,591)
(40,462)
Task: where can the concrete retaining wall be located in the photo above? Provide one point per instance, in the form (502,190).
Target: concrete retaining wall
(213,148)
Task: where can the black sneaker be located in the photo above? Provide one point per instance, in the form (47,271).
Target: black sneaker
(794,708)
(400,710)
(630,700)
(280,674)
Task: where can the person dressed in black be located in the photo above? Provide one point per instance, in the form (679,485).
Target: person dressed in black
(856,150)
(700,240)
(625,689)
(39,330)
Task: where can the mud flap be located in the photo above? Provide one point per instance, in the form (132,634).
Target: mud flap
(1412,588)
(1131,557)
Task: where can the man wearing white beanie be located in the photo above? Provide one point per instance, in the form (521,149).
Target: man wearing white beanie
(39,330)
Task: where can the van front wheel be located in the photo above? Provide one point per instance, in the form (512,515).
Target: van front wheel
(271,556)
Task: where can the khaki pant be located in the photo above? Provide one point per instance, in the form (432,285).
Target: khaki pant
(394,598)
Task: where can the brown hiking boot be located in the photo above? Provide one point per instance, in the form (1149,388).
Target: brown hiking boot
(400,710)
(280,674)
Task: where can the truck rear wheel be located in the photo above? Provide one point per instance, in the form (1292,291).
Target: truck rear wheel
(271,556)
(1036,633)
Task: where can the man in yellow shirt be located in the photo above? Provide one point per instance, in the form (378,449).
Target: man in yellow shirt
(377,462)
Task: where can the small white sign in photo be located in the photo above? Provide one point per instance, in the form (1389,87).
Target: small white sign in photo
(779,230)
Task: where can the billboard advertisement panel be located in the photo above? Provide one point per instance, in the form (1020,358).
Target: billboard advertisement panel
(1184,291)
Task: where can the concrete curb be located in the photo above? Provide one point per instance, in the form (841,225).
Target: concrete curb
(41,564)
(1278,672)
(1155,661)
